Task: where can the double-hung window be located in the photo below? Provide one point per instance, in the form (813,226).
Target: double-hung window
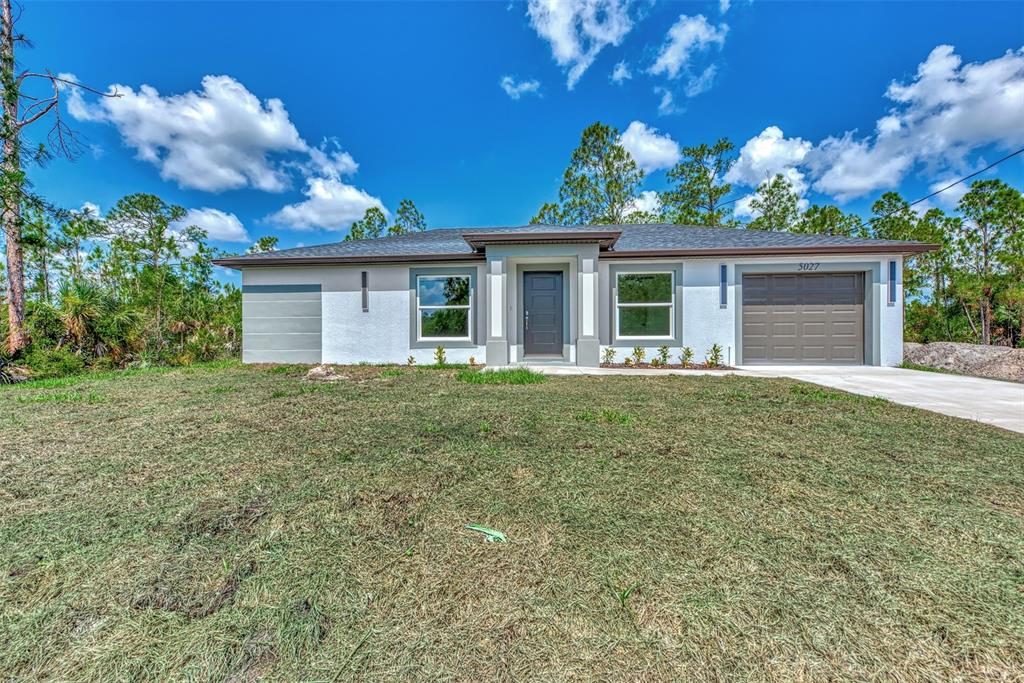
(644,305)
(443,307)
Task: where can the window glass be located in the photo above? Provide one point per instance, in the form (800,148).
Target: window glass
(443,290)
(645,288)
(645,321)
(444,322)
(644,305)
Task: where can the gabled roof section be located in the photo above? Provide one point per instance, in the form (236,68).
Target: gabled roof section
(479,240)
(617,241)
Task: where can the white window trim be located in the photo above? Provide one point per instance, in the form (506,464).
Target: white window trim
(419,309)
(671,305)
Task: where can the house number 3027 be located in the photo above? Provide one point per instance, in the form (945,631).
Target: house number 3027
(808,266)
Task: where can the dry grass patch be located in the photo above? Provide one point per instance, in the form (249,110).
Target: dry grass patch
(241,523)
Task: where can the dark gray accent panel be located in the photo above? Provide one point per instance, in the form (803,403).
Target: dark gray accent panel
(278,289)
(815,318)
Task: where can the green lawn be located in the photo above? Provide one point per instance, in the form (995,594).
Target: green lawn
(235,523)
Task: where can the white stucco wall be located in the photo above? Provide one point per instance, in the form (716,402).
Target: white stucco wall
(382,334)
(379,335)
(706,323)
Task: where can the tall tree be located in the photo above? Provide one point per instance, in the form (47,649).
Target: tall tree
(370,226)
(989,244)
(263,245)
(407,219)
(548,214)
(775,206)
(145,245)
(699,186)
(601,181)
(829,220)
(20,110)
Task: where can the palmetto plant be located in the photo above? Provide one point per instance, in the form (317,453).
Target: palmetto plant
(82,305)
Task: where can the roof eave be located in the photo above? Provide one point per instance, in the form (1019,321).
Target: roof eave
(248,262)
(823,250)
(604,238)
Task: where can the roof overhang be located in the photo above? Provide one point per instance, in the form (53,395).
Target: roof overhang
(248,262)
(605,239)
(906,248)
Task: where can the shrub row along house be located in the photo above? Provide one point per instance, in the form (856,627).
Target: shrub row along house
(563,294)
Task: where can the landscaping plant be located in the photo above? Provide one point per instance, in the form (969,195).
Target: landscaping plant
(663,354)
(686,357)
(714,356)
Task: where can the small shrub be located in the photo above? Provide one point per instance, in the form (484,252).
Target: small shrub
(608,355)
(686,357)
(472,361)
(628,362)
(638,355)
(391,372)
(714,357)
(410,361)
(656,362)
(54,362)
(440,359)
(509,376)
(663,354)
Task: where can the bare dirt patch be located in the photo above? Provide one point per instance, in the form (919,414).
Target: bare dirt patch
(993,362)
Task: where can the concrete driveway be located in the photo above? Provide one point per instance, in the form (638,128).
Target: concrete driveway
(984,400)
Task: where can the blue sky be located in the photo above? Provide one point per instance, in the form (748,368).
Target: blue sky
(377,102)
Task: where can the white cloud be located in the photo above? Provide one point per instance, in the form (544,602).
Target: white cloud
(621,73)
(223,137)
(219,138)
(517,90)
(723,6)
(650,150)
(947,111)
(330,204)
(648,202)
(218,225)
(846,167)
(578,30)
(950,197)
(687,36)
(769,153)
(667,104)
(90,208)
(702,83)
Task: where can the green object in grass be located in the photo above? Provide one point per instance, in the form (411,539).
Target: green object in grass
(490,535)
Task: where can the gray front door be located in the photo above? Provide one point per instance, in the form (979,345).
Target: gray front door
(803,318)
(542,313)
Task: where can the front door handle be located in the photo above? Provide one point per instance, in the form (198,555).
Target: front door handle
(526,323)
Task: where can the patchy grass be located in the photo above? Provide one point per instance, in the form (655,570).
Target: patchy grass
(240,523)
(505,376)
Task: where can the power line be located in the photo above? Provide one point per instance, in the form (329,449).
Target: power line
(968,177)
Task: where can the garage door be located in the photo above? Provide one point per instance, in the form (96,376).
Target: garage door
(806,318)
(281,323)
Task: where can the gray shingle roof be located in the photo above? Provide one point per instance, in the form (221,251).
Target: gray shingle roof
(449,243)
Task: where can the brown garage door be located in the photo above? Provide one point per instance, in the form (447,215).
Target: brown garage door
(806,318)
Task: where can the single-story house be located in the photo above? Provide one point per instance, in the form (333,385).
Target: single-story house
(558,294)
